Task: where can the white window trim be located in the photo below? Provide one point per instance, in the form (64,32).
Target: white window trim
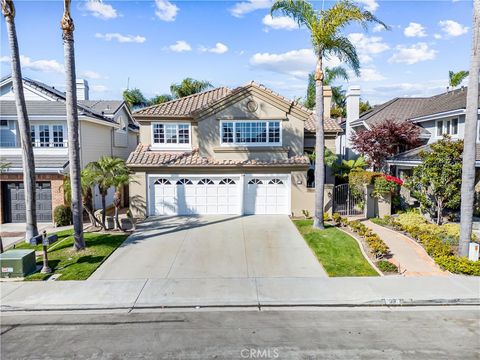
(50,135)
(237,144)
(444,127)
(176,146)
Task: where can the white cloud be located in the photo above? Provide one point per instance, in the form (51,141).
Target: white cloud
(121,38)
(180,46)
(378,28)
(165,10)
(437,36)
(279,22)
(218,49)
(37,65)
(452,28)
(413,54)
(99,88)
(414,30)
(427,88)
(371,74)
(101,10)
(367,46)
(296,63)
(245,7)
(370,5)
(92,75)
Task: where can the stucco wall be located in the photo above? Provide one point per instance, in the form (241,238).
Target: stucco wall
(303,198)
(138,195)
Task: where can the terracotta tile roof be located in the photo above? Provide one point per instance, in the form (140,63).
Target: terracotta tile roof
(143,156)
(186,105)
(330,125)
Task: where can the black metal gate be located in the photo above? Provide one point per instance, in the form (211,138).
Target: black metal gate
(347,202)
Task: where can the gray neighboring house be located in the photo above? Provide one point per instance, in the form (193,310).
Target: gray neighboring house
(106,128)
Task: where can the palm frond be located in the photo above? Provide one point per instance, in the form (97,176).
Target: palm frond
(336,72)
(299,10)
(342,48)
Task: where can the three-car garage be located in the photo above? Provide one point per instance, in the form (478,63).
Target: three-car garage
(219,194)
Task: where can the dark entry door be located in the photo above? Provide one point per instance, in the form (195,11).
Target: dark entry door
(15,202)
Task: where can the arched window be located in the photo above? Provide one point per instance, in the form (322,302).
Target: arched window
(276,182)
(255,181)
(184,182)
(205,182)
(227,182)
(162,182)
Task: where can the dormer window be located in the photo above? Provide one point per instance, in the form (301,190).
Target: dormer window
(251,133)
(171,134)
(447,127)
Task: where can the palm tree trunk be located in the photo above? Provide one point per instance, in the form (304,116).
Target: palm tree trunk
(8,11)
(468,165)
(319,147)
(104,208)
(72,126)
(117,200)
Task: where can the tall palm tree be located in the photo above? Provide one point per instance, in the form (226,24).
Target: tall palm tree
(456,78)
(72,126)
(325,28)
(189,86)
(104,171)
(121,179)
(468,165)
(8,10)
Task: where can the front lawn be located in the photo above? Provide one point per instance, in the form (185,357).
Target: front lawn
(338,252)
(73,265)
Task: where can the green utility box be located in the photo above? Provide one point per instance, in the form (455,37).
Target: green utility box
(17,263)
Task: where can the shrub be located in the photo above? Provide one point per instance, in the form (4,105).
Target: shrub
(326,217)
(62,215)
(336,218)
(459,265)
(386,266)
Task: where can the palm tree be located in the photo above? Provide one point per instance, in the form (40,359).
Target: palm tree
(160,99)
(325,27)
(88,183)
(8,10)
(188,86)
(104,171)
(468,165)
(134,98)
(456,78)
(331,74)
(72,126)
(121,179)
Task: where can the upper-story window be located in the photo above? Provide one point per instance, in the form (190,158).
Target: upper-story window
(44,135)
(447,127)
(171,134)
(251,133)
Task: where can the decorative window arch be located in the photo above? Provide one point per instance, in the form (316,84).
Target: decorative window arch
(205,182)
(162,182)
(184,182)
(275,182)
(255,182)
(227,181)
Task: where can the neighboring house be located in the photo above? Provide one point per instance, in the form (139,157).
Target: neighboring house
(106,128)
(224,151)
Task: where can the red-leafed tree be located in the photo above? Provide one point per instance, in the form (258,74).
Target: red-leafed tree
(384,140)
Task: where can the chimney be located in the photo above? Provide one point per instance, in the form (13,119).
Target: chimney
(353,113)
(82,89)
(327,101)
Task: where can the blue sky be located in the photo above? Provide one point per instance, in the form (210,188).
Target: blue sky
(154,43)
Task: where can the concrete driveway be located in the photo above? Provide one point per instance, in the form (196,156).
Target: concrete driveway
(212,247)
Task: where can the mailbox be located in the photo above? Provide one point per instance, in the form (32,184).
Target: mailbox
(49,240)
(43,240)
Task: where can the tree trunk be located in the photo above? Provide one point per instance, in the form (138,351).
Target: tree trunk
(72,126)
(23,124)
(1,245)
(439,212)
(104,207)
(319,148)
(117,200)
(468,165)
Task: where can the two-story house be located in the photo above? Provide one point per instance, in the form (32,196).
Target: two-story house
(105,128)
(225,151)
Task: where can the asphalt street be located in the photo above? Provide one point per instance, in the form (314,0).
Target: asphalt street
(300,333)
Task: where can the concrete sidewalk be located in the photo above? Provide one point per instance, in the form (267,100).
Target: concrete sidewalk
(258,292)
(408,255)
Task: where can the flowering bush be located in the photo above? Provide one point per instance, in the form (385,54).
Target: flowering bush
(394,179)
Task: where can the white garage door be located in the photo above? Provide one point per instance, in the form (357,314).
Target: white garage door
(195,195)
(267,194)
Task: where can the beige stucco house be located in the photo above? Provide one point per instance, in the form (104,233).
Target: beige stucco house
(225,151)
(106,127)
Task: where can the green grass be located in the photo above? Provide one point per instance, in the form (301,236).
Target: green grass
(338,252)
(379,221)
(74,265)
